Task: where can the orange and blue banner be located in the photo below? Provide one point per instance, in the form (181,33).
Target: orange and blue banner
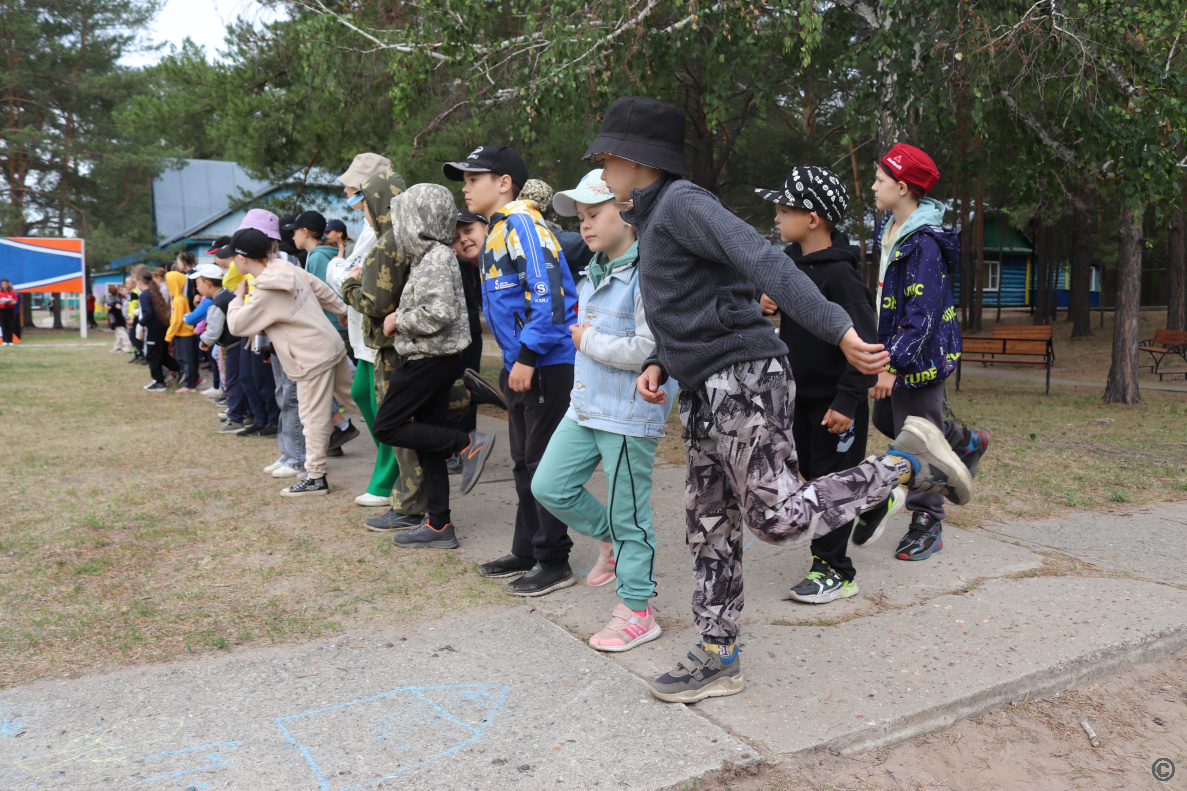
(49,265)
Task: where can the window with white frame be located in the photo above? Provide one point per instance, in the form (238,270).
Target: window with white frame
(993,275)
(1094,281)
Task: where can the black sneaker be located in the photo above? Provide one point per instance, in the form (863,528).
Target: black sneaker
(334,452)
(507,566)
(698,676)
(427,537)
(339,437)
(822,585)
(393,520)
(135,360)
(270,431)
(972,448)
(541,580)
(249,431)
(474,458)
(156,387)
(307,486)
(482,391)
(454,464)
(869,526)
(924,538)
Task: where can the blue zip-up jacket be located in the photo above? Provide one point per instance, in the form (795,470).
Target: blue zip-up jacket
(917,320)
(528,294)
(197,314)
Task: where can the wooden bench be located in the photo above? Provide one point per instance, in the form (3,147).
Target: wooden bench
(1007,351)
(1034,332)
(1164,343)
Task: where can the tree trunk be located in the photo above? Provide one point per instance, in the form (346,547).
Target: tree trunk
(56,309)
(979,246)
(871,277)
(966,277)
(1122,387)
(1079,311)
(1176,275)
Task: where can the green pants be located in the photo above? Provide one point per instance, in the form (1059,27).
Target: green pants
(559,485)
(387,469)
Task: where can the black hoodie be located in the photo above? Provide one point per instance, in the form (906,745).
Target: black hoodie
(822,374)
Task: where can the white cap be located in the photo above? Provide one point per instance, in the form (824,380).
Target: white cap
(592,190)
(207,270)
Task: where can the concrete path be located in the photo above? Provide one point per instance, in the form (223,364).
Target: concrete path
(512,697)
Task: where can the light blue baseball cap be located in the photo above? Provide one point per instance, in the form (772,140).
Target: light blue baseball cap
(592,190)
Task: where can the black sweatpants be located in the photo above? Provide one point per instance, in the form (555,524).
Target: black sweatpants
(8,324)
(471,358)
(414,414)
(156,351)
(821,453)
(531,419)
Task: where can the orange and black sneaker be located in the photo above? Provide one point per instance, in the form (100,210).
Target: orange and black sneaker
(474,458)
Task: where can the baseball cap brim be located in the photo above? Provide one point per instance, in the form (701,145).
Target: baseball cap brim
(654,156)
(565,203)
(775,196)
(225,252)
(456,171)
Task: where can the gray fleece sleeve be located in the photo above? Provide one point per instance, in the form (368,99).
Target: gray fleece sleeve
(215,321)
(711,231)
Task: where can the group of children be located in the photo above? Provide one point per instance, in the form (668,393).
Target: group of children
(667,305)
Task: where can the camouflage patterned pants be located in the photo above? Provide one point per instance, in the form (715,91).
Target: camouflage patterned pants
(742,466)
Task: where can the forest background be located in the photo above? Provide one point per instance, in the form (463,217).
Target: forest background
(1066,117)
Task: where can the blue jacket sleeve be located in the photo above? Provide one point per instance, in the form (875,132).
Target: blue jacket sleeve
(540,272)
(920,315)
(197,314)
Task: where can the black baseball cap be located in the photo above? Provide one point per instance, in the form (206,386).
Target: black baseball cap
(219,243)
(812,189)
(313,221)
(335,225)
(500,160)
(465,217)
(250,243)
(643,130)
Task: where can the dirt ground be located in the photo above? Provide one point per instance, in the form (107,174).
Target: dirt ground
(1139,716)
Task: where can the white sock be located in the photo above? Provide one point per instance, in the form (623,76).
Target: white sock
(341,425)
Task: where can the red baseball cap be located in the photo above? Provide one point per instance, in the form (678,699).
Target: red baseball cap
(911,166)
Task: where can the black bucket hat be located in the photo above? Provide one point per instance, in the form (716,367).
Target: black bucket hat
(643,130)
(812,189)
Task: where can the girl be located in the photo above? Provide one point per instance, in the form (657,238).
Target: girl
(119,325)
(9,299)
(154,313)
(607,420)
(181,334)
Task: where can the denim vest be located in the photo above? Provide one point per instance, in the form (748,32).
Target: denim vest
(605,397)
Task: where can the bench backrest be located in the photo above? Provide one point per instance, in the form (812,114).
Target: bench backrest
(1019,346)
(1035,332)
(1170,337)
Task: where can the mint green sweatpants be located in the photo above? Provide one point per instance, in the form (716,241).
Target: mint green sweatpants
(559,485)
(362,390)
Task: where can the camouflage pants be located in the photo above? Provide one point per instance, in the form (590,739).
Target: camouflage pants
(408,494)
(742,466)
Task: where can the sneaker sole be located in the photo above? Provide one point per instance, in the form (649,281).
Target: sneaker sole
(942,452)
(565,583)
(430,545)
(646,637)
(720,688)
(502,575)
(824,598)
(365,504)
(483,455)
(287,493)
(895,508)
(601,584)
(292,474)
(400,529)
(930,552)
(490,390)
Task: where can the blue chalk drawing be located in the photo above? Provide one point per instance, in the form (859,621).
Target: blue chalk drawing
(216,761)
(449,717)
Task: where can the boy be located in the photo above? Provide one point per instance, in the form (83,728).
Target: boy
(429,330)
(832,413)
(285,304)
(698,268)
(208,278)
(529,301)
(917,324)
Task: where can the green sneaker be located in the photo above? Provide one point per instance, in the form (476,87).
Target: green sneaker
(698,676)
(869,526)
(822,585)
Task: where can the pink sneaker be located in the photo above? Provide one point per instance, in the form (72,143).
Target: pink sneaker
(626,630)
(186,390)
(603,571)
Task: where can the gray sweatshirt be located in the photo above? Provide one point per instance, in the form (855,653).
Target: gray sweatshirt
(701,270)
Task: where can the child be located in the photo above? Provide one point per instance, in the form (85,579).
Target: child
(529,301)
(699,266)
(154,315)
(285,304)
(209,280)
(429,329)
(337,236)
(917,323)
(605,423)
(115,312)
(832,413)
(468,239)
(8,307)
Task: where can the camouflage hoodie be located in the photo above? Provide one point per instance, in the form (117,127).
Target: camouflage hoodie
(432,319)
(376,292)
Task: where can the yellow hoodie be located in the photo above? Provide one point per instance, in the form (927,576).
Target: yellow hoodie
(175,281)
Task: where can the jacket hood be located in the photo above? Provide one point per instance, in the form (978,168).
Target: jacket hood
(840,251)
(175,281)
(929,212)
(378,192)
(929,219)
(278,275)
(421,216)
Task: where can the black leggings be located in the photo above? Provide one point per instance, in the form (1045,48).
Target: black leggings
(8,323)
(156,350)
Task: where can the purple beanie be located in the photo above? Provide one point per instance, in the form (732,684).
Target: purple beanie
(264,221)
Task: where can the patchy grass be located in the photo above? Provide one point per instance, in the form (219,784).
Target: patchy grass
(131,533)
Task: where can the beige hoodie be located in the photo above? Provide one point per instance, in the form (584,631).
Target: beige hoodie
(287,304)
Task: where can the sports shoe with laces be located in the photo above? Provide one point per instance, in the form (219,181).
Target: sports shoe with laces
(822,585)
(278,463)
(626,630)
(868,527)
(249,430)
(307,486)
(603,572)
(228,427)
(285,471)
(482,391)
(393,520)
(270,430)
(474,458)
(453,464)
(156,387)
(972,448)
(542,579)
(427,537)
(700,675)
(937,468)
(507,566)
(186,390)
(924,538)
(339,437)
(368,500)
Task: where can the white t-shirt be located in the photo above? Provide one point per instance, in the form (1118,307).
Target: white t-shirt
(889,238)
(336,272)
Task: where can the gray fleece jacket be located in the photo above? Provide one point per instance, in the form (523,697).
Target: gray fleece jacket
(700,272)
